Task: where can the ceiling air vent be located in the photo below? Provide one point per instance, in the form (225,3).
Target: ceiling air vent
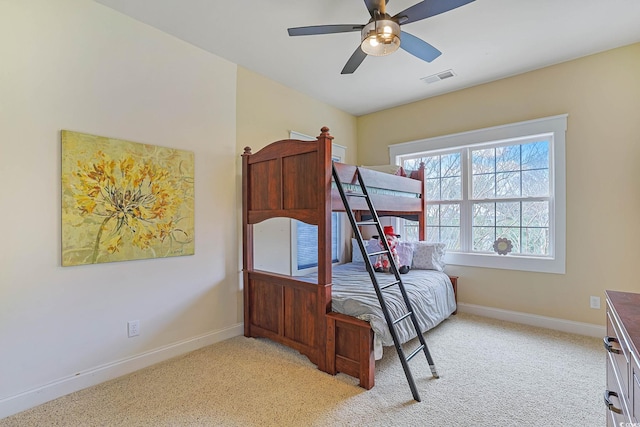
(438,77)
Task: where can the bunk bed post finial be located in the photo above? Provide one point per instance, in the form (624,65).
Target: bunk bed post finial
(247,151)
(324,133)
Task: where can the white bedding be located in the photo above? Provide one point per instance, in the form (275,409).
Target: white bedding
(430,292)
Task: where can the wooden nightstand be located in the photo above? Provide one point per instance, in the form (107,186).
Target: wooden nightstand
(454,283)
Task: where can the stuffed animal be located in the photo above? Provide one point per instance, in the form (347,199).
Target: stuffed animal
(383,264)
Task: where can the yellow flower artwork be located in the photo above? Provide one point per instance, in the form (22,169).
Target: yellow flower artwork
(124,200)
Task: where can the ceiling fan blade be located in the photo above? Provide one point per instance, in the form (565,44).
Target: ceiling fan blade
(428,8)
(354,62)
(418,47)
(323,29)
(378,5)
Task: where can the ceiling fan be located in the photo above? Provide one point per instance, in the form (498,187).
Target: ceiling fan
(382,35)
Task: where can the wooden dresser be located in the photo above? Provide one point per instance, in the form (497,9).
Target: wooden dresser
(622,396)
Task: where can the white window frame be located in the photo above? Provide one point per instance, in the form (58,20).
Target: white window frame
(555,126)
(338,152)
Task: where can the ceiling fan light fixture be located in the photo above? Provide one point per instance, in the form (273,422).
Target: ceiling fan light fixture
(380,37)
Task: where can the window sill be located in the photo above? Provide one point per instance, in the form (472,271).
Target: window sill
(507,262)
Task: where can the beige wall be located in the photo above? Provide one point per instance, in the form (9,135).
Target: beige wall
(601,94)
(78,65)
(267,111)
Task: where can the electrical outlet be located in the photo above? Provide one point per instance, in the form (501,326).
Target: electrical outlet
(133,327)
(594,302)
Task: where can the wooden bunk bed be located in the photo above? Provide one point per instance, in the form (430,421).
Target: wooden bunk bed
(292,178)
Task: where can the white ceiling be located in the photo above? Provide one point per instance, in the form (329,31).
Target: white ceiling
(482,41)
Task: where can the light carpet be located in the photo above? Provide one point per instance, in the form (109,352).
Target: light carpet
(492,373)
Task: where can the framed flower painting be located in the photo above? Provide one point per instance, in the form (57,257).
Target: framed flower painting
(124,200)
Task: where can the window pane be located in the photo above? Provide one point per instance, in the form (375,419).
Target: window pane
(433,234)
(483,186)
(483,161)
(432,167)
(508,214)
(535,155)
(412,164)
(335,224)
(450,215)
(508,158)
(483,238)
(443,224)
(535,241)
(535,183)
(451,188)
(443,176)
(484,214)
(410,232)
(520,171)
(511,233)
(451,237)
(433,215)
(508,184)
(433,189)
(451,165)
(307,242)
(535,214)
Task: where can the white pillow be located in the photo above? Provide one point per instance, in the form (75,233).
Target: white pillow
(428,256)
(370,245)
(405,253)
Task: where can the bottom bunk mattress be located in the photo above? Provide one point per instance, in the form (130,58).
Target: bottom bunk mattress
(430,292)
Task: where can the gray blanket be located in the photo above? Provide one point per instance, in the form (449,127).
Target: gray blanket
(429,291)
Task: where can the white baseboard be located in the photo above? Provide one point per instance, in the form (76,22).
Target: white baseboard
(580,328)
(99,374)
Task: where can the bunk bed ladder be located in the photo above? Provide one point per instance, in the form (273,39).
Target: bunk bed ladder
(379,288)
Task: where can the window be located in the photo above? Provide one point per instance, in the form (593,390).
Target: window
(304,237)
(504,182)
(307,243)
(444,195)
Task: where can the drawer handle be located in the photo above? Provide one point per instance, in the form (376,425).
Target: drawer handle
(607,344)
(609,404)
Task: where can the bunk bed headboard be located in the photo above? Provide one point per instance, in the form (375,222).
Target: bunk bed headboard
(292,179)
